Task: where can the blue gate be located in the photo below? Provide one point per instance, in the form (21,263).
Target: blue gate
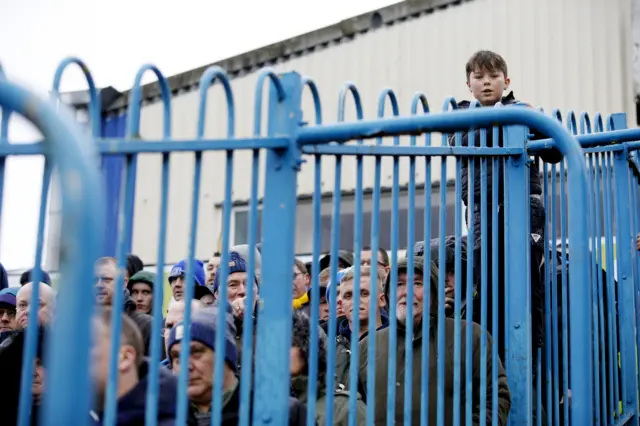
(287,139)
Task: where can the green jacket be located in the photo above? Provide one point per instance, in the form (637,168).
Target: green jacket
(382,369)
(299,390)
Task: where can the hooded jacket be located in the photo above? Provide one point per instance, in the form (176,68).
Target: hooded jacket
(132,406)
(381,363)
(344,344)
(143,321)
(301,338)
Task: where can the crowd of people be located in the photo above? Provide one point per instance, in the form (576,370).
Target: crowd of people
(488,82)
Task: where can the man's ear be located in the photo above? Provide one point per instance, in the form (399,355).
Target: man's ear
(127,358)
(507,83)
(468,85)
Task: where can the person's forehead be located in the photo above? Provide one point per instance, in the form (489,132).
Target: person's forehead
(140,286)
(214,261)
(107,267)
(237,276)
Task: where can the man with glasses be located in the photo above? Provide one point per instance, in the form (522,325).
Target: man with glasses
(106,277)
(382,259)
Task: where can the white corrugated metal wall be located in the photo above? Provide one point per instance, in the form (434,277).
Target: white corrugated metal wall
(569,54)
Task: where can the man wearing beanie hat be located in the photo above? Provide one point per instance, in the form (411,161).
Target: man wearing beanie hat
(203,329)
(237,286)
(8,321)
(176,281)
(422,312)
(237,291)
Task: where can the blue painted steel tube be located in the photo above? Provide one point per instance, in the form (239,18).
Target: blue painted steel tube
(274,317)
(582,377)
(518,317)
(82,216)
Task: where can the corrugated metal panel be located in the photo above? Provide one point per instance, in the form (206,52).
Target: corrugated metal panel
(112,172)
(570,54)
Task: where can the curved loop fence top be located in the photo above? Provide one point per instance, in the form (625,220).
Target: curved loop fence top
(257,105)
(135,102)
(315,94)
(572,125)
(598,126)
(68,367)
(585,123)
(419,99)
(395,109)
(347,88)
(209,77)
(450,103)
(94,101)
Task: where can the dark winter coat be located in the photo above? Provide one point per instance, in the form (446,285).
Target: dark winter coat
(343,348)
(300,390)
(143,321)
(231,411)
(132,406)
(381,363)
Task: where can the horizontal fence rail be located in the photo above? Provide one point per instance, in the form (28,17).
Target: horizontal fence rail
(526,313)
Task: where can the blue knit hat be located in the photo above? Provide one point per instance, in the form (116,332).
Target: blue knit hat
(236,264)
(203,327)
(180,270)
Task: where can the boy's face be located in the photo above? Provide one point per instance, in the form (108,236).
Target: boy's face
(487,86)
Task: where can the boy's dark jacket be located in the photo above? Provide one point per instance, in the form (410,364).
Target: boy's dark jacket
(535,186)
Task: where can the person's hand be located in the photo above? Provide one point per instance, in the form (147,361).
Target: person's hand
(238,307)
(449,301)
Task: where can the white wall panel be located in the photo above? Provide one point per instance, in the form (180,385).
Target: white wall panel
(566,54)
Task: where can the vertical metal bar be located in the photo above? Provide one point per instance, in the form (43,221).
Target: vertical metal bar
(441,284)
(393,291)
(315,283)
(483,278)
(315,290)
(565,284)
(83,214)
(279,213)
(418,99)
(153,391)
(611,284)
(335,246)
(457,326)
(354,356)
(426,278)
(518,325)
(547,297)
(470,281)
(624,253)
(495,356)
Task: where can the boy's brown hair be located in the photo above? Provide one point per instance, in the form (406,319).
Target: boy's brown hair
(485,60)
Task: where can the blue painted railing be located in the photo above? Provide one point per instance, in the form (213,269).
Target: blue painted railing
(595,194)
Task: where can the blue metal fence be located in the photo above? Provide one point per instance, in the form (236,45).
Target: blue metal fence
(585,339)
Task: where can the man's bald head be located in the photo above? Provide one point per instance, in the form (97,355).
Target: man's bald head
(175,314)
(47,304)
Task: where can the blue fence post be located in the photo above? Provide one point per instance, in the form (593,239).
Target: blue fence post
(278,236)
(517,280)
(624,254)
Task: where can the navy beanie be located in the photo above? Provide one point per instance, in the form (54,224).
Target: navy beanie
(203,328)
(236,264)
